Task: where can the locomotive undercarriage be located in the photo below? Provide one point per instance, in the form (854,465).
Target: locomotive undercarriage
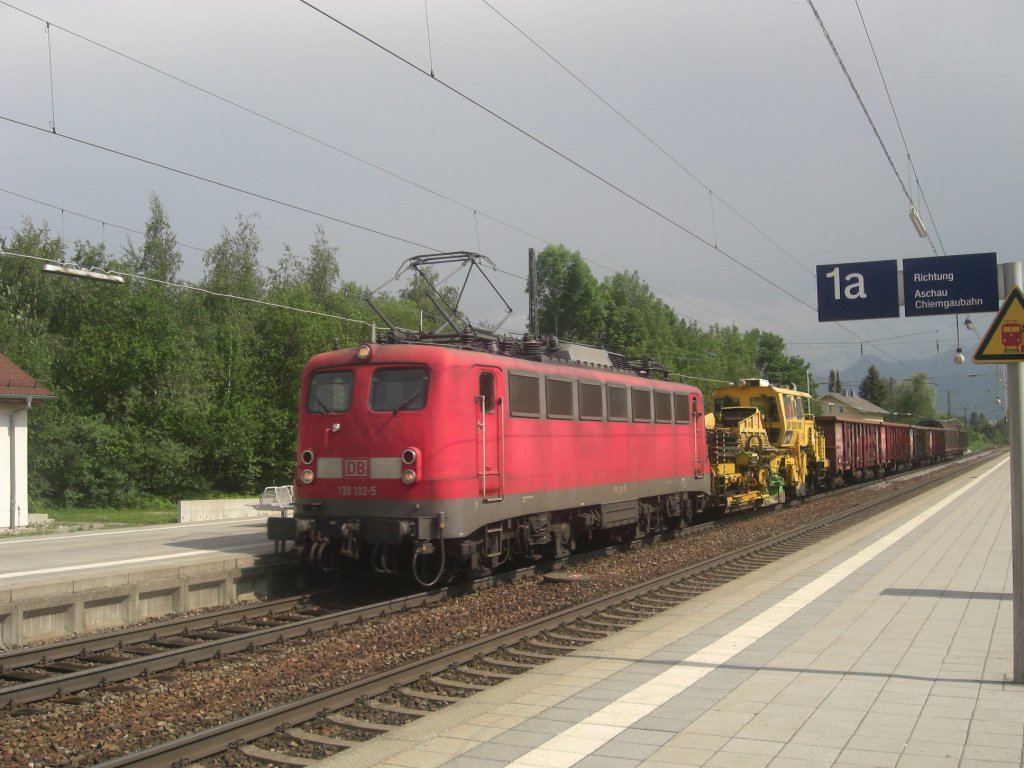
(419,549)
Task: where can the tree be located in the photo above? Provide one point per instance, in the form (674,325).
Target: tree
(637,323)
(835,385)
(914,398)
(232,265)
(159,258)
(872,388)
(568,296)
(319,271)
(774,364)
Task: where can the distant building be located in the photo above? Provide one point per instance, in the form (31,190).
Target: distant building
(18,391)
(834,404)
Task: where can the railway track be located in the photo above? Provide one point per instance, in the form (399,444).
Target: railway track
(330,720)
(69,667)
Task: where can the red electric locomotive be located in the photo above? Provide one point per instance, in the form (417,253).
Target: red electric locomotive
(430,460)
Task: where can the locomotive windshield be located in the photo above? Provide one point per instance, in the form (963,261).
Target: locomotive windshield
(399,389)
(330,392)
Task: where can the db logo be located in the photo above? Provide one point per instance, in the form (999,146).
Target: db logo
(356,467)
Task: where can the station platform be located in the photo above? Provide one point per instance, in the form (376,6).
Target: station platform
(886,645)
(58,585)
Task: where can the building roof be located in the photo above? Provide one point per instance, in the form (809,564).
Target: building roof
(15,384)
(853,403)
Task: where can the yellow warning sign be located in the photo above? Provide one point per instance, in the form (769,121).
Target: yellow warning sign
(1002,342)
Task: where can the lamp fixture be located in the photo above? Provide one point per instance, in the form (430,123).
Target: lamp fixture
(915,219)
(73,270)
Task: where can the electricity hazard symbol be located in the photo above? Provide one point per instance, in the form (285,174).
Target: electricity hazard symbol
(1002,342)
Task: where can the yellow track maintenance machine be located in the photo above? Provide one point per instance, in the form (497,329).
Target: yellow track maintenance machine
(763,445)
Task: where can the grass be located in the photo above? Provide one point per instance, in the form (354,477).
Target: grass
(155,515)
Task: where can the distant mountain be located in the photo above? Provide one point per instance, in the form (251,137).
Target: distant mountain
(969,387)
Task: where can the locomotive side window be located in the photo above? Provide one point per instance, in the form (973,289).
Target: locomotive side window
(591,401)
(662,407)
(330,392)
(524,395)
(641,401)
(398,389)
(618,403)
(559,398)
(682,408)
(487,390)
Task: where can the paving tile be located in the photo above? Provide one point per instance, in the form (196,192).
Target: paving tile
(1004,754)
(926,761)
(681,755)
(866,758)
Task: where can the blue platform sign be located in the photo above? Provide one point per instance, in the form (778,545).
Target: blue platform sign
(950,285)
(859,291)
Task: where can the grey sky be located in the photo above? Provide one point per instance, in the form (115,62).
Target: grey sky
(745,94)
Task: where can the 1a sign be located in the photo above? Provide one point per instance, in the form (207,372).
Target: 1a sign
(858,291)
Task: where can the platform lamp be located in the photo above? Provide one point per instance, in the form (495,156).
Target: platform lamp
(88,273)
(915,219)
(959,358)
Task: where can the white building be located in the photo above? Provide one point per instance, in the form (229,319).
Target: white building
(18,391)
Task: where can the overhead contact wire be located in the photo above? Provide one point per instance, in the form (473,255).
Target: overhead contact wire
(553,150)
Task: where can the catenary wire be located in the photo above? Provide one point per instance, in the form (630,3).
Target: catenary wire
(575,163)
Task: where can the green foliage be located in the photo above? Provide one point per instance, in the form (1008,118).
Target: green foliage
(914,397)
(873,389)
(569,298)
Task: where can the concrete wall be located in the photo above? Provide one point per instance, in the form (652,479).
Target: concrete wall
(273,499)
(199,510)
(76,607)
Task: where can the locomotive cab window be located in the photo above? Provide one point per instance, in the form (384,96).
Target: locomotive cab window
(330,392)
(399,389)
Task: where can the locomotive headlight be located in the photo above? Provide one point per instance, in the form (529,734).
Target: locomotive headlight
(408,476)
(307,456)
(364,353)
(409,456)
(307,476)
